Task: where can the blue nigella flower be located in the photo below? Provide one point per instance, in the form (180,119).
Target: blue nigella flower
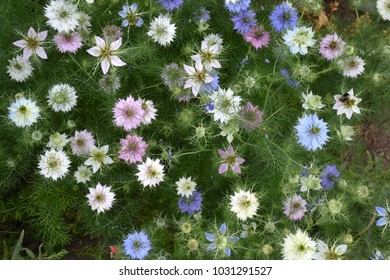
(236,6)
(243,21)
(312,132)
(329,175)
(170,5)
(385,214)
(378,255)
(210,106)
(191,204)
(284,17)
(130,16)
(220,241)
(202,15)
(137,245)
(210,87)
(287,75)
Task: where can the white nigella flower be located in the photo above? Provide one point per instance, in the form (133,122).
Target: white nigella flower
(83,174)
(226,105)
(84,23)
(100,198)
(32,44)
(57,141)
(213,39)
(62,97)
(150,111)
(352,66)
(208,56)
(347,104)
(244,204)
(23,112)
(98,157)
(298,246)
(310,182)
(229,130)
(346,132)
(299,39)
(151,172)
(162,30)
(326,253)
(19,69)
(62,15)
(197,77)
(108,53)
(54,164)
(383,7)
(185,186)
(312,102)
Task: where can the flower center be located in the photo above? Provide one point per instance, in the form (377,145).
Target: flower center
(316,130)
(221,242)
(22,109)
(60,97)
(301,248)
(99,156)
(32,42)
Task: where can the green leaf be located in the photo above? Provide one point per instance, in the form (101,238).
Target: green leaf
(15,254)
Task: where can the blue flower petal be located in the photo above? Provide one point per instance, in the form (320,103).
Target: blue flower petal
(381,222)
(222,229)
(233,239)
(381,211)
(212,247)
(228,252)
(210,237)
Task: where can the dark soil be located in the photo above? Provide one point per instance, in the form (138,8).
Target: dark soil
(377,139)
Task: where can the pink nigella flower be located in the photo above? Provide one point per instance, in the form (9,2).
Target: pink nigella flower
(108,53)
(133,149)
(295,207)
(82,142)
(68,42)
(230,159)
(257,36)
(251,117)
(128,113)
(32,44)
(331,47)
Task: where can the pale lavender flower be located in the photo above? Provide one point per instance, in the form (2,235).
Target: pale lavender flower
(230,160)
(82,142)
(32,44)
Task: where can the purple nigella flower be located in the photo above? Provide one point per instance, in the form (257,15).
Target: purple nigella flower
(257,36)
(202,15)
(295,207)
(243,21)
(191,204)
(170,5)
(251,117)
(283,17)
(331,46)
(133,148)
(235,6)
(330,174)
